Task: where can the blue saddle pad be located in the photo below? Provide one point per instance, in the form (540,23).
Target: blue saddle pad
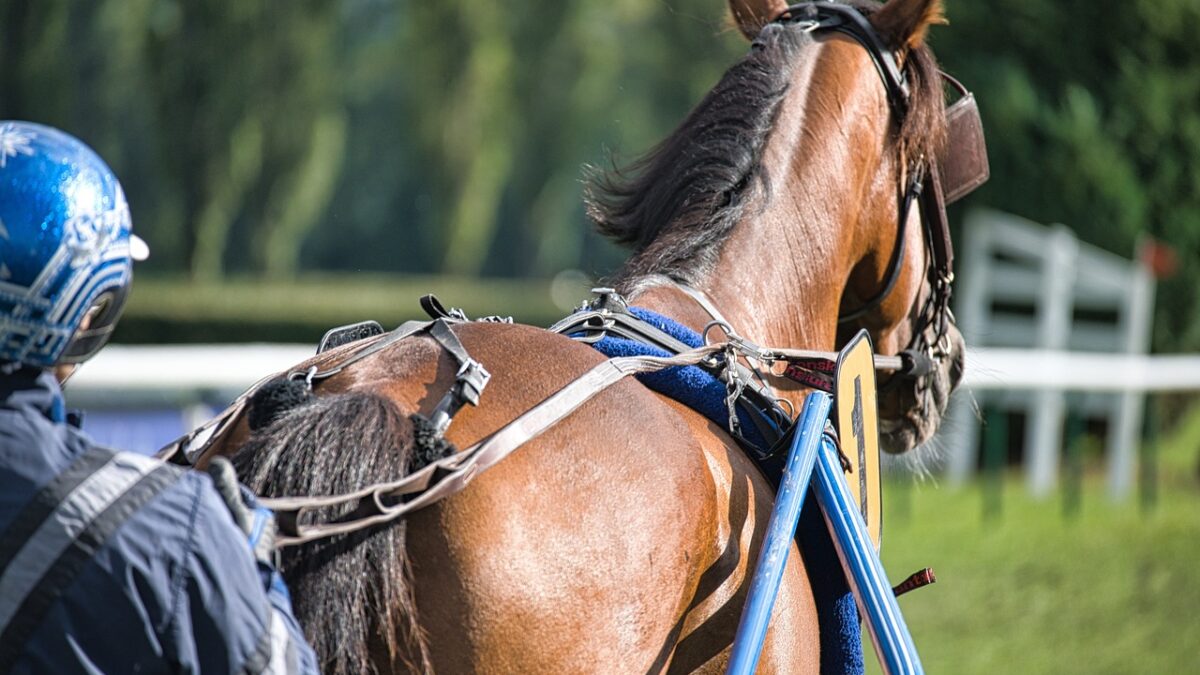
(841,636)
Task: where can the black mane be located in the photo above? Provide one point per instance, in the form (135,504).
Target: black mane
(676,206)
(352,593)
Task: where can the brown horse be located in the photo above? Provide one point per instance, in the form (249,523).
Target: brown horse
(621,539)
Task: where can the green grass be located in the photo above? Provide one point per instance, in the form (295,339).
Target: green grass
(300,310)
(1029,589)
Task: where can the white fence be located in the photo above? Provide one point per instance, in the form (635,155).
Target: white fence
(179,369)
(198,379)
(1086,315)
(232,368)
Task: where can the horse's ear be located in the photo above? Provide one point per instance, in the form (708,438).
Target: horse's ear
(902,23)
(751,15)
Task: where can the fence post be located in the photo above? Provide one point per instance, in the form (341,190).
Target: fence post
(1128,406)
(1043,437)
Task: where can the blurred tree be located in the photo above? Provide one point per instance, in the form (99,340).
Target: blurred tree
(1092,121)
(263,136)
(252,128)
(466,115)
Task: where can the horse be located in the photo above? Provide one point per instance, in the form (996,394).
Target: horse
(621,539)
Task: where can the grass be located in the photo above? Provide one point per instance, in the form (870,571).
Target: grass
(1109,589)
(300,310)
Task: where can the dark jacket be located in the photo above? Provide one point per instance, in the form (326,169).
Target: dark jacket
(117,563)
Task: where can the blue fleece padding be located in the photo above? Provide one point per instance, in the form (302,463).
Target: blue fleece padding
(669,326)
(690,385)
(837,615)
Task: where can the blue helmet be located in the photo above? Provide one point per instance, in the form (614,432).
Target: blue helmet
(65,247)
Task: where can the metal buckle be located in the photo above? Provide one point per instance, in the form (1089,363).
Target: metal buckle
(472,378)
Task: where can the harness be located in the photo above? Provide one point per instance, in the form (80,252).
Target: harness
(748,396)
(735,361)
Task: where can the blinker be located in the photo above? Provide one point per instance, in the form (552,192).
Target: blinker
(963,162)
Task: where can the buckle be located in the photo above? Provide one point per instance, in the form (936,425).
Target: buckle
(470,381)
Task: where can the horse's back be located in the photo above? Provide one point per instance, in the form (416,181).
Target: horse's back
(599,546)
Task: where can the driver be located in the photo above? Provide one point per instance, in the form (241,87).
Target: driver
(109,561)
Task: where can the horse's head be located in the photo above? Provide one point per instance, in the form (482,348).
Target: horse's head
(876,87)
(802,196)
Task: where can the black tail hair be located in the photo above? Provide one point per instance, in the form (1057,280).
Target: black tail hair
(352,593)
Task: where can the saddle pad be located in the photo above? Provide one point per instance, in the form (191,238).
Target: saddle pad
(841,635)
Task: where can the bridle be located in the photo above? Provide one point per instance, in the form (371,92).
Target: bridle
(965,156)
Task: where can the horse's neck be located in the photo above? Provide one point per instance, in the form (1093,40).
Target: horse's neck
(757,301)
(782,271)
(780,276)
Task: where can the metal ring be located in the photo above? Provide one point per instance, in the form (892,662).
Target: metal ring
(717,324)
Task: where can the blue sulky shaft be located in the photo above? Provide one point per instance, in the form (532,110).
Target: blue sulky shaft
(876,601)
(810,450)
(752,628)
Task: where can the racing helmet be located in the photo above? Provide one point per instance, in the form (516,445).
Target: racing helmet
(66,248)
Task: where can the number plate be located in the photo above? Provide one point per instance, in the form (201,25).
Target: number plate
(858,429)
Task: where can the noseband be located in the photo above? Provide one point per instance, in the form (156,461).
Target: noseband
(969,171)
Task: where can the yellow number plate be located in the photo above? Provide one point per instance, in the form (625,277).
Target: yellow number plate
(858,429)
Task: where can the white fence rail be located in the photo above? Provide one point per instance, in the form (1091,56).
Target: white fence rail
(184,368)
(198,380)
(1019,369)
(235,367)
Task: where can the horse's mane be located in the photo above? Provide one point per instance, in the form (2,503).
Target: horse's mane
(676,205)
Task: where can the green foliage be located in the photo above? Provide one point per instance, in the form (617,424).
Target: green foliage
(1091,115)
(264,137)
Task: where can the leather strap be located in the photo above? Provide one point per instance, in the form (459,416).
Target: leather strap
(610,316)
(187,448)
(469,382)
(802,356)
(385,502)
(850,22)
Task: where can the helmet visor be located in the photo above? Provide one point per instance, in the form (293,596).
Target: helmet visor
(97,327)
